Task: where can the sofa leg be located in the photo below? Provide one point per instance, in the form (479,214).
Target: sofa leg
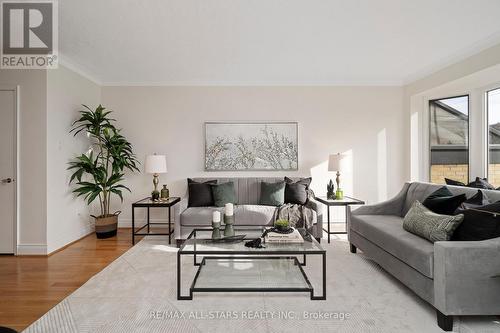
(179,242)
(318,239)
(353,248)
(444,321)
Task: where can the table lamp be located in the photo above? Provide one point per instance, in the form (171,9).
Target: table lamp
(334,165)
(155,164)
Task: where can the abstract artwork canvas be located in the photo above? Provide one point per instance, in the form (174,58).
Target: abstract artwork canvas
(251,146)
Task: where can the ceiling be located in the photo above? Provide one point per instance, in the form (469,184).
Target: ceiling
(271,42)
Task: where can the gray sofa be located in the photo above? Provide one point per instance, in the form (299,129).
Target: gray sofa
(457,278)
(248,212)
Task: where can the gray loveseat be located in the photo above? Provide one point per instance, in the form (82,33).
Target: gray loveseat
(457,278)
(248,212)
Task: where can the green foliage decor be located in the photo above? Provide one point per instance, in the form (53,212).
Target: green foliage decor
(99,173)
(281,223)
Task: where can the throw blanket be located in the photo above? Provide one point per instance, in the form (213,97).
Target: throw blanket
(299,216)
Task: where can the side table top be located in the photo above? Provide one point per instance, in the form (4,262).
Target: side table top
(342,202)
(147,202)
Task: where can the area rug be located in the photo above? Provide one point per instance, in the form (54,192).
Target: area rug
(137,293)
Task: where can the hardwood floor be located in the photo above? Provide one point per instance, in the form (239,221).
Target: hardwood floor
(31,285)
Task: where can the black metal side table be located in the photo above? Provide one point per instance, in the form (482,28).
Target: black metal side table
(346,202)
(148,203)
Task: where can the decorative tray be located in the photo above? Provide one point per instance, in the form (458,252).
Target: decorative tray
(230,239)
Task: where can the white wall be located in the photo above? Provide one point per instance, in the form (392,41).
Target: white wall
(368,122)
(67,218)
(32,149)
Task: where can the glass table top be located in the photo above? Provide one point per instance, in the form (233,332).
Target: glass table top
(200,242)
(251,273)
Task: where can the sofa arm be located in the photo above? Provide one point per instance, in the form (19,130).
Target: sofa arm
(318,208)
(467,277)
(178,209)
(393,206)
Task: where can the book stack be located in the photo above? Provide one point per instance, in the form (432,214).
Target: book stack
(293,237)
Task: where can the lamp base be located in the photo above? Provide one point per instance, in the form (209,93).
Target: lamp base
(155,195)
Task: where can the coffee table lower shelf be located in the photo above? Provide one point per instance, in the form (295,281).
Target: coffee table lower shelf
(250,274)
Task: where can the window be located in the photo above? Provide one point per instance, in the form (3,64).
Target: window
(449,139)
(493,111)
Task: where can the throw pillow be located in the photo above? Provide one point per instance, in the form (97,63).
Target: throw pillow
(481,183)
(272,194)
(434,227)
(454,182)
(223,194)
(477,200)
(442,201)
(296,192)
(200,194)
(479,223)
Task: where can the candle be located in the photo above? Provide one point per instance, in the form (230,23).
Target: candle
(229,209)
(216,216)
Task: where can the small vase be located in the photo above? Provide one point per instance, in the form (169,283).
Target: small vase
(165,193)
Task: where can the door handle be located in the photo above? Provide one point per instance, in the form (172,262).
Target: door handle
(7,180)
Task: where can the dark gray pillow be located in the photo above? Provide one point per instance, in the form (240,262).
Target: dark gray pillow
(224,193)
(423,222)
(477,200)
(481,183)
(200,194)
(272,194)
(296,192)
(442,201)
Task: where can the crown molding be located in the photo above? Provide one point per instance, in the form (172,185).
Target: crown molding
(465,53)
(253,84)
(69,64)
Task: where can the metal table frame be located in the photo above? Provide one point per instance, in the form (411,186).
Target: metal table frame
(147,203)
(346,202)
(254,255)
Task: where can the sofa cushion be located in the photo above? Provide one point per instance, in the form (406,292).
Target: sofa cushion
(296,192)
(442,201)
(423,222)
(243,215)
(480,223)
(272,194)
(224,193)
(386,231)
(200,194)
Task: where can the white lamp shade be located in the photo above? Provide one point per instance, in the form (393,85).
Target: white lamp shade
(334,162)
(156,164)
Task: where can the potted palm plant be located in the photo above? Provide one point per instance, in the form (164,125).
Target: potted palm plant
(99,173)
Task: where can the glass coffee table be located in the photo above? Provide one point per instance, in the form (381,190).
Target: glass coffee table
(233,267)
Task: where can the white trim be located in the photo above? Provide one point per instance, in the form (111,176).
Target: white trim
(66,62)
(251,84)
(31,249)
(16,90)
(62,241)
(456,58)
(485,114)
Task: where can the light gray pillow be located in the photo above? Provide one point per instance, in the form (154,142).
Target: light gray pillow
(425,223)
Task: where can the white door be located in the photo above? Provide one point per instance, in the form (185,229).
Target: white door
(7,169)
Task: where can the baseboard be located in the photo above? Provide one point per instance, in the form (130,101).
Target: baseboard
(88,230)
(63,241)
(127,223)
(32,249)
